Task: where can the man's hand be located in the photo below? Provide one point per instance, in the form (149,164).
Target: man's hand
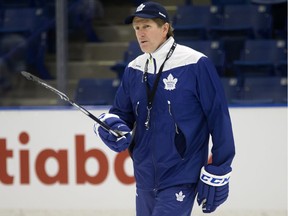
(213,187)
(117,144)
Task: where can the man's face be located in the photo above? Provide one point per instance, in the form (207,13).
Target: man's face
(149,35)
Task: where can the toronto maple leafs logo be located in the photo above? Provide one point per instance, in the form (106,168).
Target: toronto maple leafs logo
(180,196)
(170,82)
(140,7)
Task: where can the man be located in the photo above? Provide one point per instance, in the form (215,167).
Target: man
(172,98)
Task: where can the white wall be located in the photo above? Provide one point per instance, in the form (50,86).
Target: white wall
(258,183)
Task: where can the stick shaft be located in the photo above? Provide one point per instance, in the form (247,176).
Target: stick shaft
(66,98)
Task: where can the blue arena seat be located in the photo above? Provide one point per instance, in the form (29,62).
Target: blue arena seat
(246,21)
(239,23)
(96,91)
(268,1)
(21,20)
(193,21)
(231,88)
(28,23)
(212,49)
(229,2)
(131,53)
(262,91)
(16,3)
(262,58)
(281,68)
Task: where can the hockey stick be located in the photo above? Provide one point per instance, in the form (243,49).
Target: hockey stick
(66,98)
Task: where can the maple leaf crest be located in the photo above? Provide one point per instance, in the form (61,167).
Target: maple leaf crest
(170,82)
(180,196)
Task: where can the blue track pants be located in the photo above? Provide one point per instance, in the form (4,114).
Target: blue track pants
(172,201)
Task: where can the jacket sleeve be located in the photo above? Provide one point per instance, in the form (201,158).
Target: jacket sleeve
(122,105)
(212,98)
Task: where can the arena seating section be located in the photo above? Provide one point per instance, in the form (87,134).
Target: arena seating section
(241,37)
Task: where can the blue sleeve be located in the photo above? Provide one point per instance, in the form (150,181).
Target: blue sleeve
(212,98)
(122,105)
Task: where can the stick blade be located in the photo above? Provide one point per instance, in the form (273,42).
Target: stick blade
(41,82)
(28,75)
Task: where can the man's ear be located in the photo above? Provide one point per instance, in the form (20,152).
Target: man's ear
(166,28)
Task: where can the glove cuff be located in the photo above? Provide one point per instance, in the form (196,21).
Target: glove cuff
(103,117)
(214,180)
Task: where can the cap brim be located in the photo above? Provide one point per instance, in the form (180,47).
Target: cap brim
(129,19)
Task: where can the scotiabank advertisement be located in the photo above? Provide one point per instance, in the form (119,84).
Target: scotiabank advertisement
(51,159)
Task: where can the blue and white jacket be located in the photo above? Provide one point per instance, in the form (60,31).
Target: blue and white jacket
(188,107)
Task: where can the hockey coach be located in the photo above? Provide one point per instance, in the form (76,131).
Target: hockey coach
(170,102)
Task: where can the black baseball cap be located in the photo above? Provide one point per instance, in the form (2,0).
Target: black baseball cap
(149,10)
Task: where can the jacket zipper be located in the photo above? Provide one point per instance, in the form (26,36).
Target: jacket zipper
(170,112)
(136,108)
(153,157)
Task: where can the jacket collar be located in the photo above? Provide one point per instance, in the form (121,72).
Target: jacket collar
(162,51)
